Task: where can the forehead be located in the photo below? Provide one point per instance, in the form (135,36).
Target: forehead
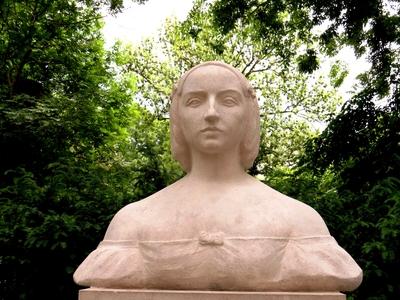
(211,78)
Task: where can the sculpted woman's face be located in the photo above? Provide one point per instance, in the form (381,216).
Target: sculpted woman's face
(212,110)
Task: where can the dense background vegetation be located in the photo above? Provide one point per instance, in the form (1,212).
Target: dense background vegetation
(84,130)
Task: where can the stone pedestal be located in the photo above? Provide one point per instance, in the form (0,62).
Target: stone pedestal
(114,294)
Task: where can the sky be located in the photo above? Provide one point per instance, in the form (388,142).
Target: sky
(137,22)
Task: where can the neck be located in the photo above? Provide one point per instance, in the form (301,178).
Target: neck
(216,168)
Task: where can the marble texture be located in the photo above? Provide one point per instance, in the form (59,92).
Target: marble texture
(218,228)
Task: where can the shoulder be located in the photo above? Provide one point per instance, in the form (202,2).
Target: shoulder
(302,219)
(124,224)
(306,221)
(128,223)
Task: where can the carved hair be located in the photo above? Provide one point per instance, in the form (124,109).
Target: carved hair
(250,144)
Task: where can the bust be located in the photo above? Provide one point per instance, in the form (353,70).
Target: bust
(218,228)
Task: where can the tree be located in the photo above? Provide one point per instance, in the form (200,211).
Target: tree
(63,124)
(290,102)
(360,145)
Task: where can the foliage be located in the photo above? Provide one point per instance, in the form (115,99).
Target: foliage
(365,224)
(360,146)
(85,131)
(290,101)
(368,26)
(64,120)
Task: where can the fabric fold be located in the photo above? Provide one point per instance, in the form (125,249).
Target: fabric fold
(232,263)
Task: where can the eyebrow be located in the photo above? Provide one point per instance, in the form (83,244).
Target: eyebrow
(236,92)
(195,93)
(203,92)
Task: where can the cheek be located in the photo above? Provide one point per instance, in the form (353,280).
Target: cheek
(237,117)
(188,124)
(240,123)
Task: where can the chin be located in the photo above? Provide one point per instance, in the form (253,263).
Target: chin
(214,147)
(210,147)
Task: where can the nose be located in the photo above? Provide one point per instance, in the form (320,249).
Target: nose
(211,114)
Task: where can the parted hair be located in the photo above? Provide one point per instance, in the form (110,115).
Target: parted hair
(251,141)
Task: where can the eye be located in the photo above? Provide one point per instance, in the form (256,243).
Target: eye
(193,102)
(229,101)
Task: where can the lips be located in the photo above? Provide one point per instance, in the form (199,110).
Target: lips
(210,129)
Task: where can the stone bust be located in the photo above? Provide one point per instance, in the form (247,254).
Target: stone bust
(218,228)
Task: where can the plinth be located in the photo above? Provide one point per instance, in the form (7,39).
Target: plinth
(119,294)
